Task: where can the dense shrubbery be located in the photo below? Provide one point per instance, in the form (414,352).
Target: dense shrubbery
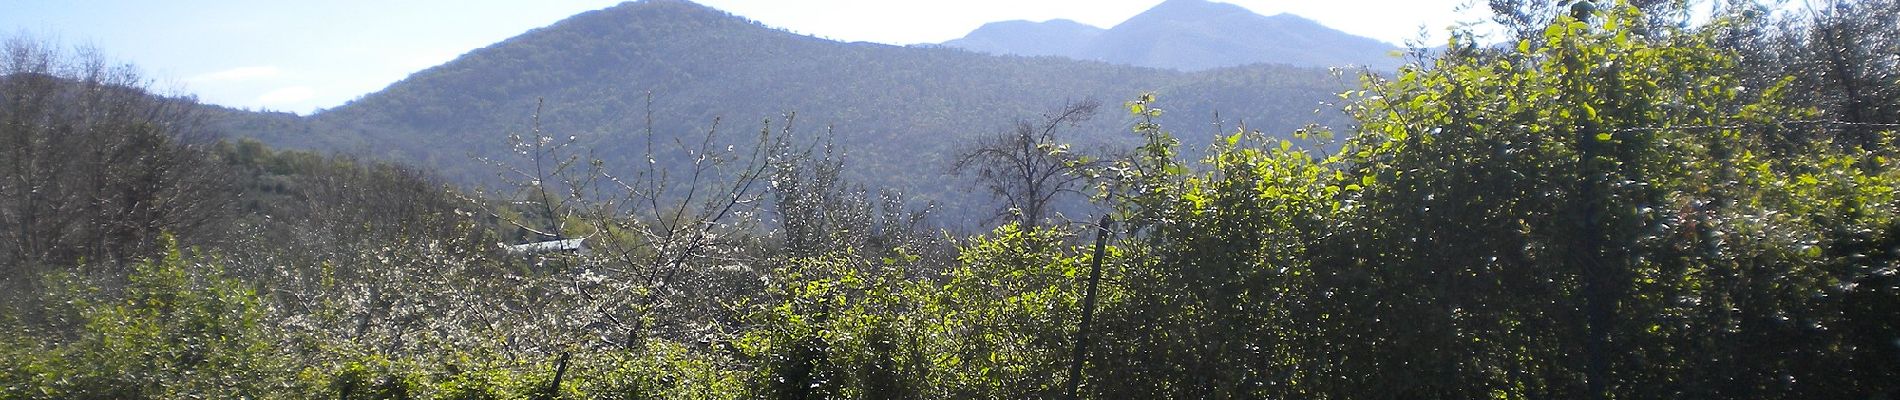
(1610,207)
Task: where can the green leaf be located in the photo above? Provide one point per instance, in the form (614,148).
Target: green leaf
(1603,137)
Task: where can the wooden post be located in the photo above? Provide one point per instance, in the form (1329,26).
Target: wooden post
(560,370)
(1088,308)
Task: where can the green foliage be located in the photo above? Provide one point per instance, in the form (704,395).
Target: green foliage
(371,377)
(836,327)
(1004,317)
(1582,217)
(178,328)
(662,370)
(1210,296)
(1140,185)
(997,325)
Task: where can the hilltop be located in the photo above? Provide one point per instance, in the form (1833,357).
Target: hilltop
(1188,35)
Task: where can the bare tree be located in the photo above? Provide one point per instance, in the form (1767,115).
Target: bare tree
(1029,167)
(682,213)
(820,212)
(94,167)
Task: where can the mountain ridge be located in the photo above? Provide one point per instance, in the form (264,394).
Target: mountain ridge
(1056,37)
(893,108)
(1189,35)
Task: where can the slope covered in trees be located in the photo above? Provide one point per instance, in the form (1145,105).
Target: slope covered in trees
(1617,205)
(891,107)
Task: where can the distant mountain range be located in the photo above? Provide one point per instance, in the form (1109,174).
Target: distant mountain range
(1187,35)
(900,112)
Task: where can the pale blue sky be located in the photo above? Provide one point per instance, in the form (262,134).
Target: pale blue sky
(304,55)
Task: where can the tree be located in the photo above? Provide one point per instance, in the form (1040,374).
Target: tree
(1526,19)
(1838,56)
(179,328)
(1029,167)
(94,167)
(1212,295)
(1007,312)
(661,236)
(1859,55)
(1585,216)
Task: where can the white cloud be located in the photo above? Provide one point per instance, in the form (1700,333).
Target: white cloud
(287,95)
(238,74)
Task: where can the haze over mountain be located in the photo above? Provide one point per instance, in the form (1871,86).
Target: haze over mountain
(1188,35)
(892,108)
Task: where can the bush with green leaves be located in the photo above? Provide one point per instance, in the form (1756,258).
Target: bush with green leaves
(837,326)
(1004,318)
(177,327)
(1585,215)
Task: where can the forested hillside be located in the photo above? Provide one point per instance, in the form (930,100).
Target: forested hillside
(1622,202)
(890,107)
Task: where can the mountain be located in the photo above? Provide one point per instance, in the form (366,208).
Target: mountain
(1188,35)
(899,112)
(1058,37)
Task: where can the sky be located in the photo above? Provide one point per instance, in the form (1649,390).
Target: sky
(304,56)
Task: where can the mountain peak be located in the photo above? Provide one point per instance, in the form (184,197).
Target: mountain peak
(1057,37)
(1191,9)
(1059,23)
(683,4)
(682,7)
(1187,35)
